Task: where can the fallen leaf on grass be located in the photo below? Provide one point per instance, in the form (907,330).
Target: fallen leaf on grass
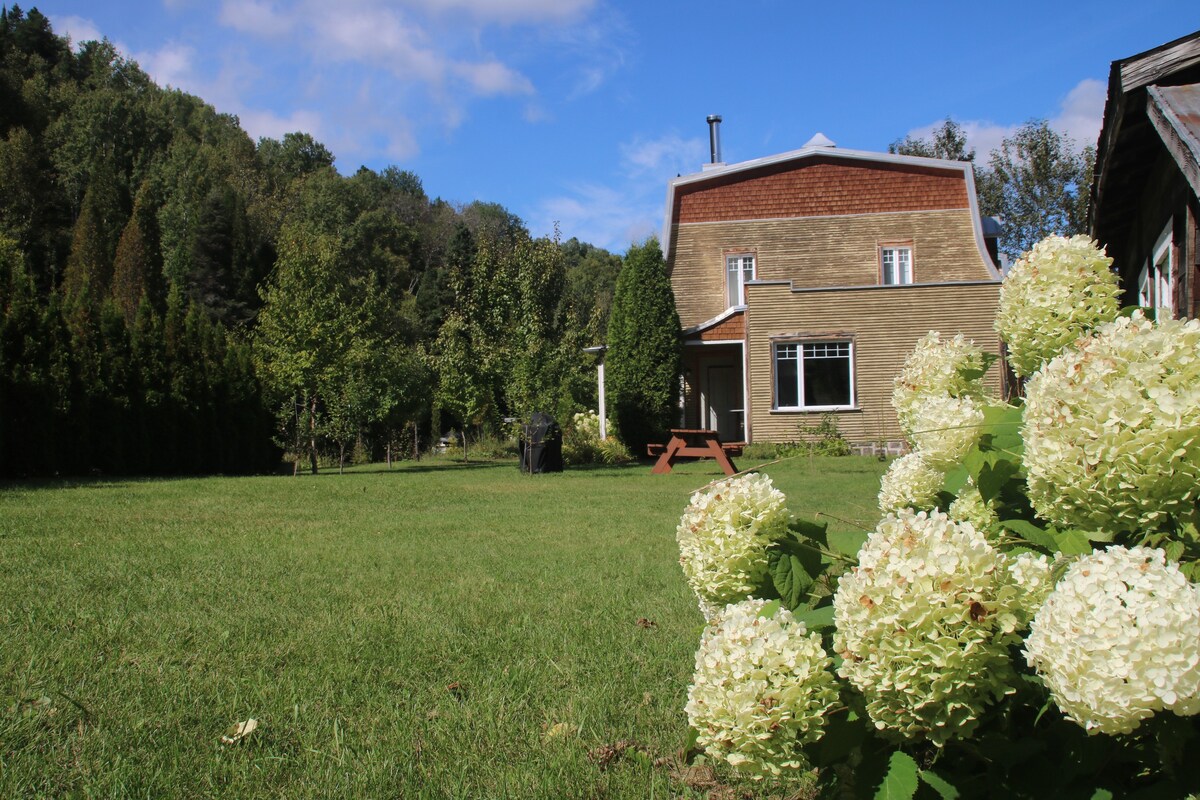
(698,776)
(646,624)
(239,731)
(457,690)
(647,698)
(559,730)
(606,754)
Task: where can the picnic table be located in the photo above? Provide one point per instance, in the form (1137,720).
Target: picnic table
(694,443)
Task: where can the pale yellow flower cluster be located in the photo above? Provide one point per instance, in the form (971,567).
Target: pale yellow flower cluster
(1057,292)
(761,689)
(924,623)
(910,482)
(723,538)
(1119,640)
(1112,427)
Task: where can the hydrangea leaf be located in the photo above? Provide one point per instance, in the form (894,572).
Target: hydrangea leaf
(939,784)
(1073,543)
(994,476)
(843,735)
(790,577)
(900,783)
(816,619)
(1032,534)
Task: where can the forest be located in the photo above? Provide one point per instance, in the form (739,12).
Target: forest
(177,298)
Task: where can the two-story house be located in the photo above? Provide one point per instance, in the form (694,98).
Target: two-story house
(803,281)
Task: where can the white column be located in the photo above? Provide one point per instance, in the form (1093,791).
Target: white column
(603,408)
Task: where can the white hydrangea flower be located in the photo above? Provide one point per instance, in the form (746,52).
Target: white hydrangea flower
(944,428)
(969,506)
(910,482)
(924,623)
(761,689)
(1119,640)
(723,538)
(1057,292)
(1034,575)
(1112,427)
(937,367)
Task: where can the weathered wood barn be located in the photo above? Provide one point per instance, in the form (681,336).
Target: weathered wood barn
(1144,195)
(803,280)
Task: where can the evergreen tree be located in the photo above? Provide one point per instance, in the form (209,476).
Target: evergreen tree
(643,360)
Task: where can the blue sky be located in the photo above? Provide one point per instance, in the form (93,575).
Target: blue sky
(579,111)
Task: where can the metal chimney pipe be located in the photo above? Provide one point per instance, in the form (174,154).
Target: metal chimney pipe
(714,138)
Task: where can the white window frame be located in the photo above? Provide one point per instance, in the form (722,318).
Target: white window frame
(900,271)
(736,271)
(1156,289)
(797,349)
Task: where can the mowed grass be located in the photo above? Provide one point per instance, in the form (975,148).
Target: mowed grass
(435,630)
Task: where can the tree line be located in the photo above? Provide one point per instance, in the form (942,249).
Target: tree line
(175,297)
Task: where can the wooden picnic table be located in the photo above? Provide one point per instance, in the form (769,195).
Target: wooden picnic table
(694,443)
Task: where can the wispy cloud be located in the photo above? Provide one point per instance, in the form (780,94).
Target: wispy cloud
(80,30)
(511,12)
(1079,116)
(631,207)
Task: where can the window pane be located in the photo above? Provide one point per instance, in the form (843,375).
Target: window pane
(904,265)
(827,374)
(787,376)
(889,267)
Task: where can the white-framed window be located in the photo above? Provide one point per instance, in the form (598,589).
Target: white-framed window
(814,375)
(739,268)
(1156,281)
(895,264)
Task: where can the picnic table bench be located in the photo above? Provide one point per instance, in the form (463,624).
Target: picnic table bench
(694,443)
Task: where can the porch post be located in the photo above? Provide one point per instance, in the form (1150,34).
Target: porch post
(603,407)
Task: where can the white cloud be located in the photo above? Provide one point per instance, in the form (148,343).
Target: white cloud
(171,65)
(1079,116)
(664,157)
(1082,112)
(80,30)
(601,215)
(252,16)
(538,12)
(267,123)
(493,78)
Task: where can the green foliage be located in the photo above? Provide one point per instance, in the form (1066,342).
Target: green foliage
(822,439)
(643,361)
(948,141)
(1038,184)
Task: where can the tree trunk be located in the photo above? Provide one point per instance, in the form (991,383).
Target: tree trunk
(388,450)
(312,433)
(341,458)
(416,443)
(464,438)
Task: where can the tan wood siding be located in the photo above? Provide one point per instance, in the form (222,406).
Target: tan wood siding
(818,252)
(820,186)
(885,324)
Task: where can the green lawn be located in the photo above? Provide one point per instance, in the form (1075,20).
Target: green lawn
(142,618)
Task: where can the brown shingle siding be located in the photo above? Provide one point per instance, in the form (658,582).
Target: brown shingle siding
(820,187)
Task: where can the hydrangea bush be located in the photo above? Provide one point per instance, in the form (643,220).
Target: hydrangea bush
(1025,619)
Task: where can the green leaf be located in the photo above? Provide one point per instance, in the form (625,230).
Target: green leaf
(1102,794)
(900,783)
(1073,543)
(1129,311)
(769,609)
(1003,424)
(993,477)
(939,784)
(847,542)
(813,531)
(790,578)
(1031,533)
(815,619)
(956,479)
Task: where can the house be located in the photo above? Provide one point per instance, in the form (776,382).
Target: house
(1144,207)
(804,280)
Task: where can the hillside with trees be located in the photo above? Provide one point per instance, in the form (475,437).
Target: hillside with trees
(178,298)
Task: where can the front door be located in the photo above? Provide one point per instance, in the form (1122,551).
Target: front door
(724,401)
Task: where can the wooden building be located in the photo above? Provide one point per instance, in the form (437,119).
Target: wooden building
(1144,208)
(804,280)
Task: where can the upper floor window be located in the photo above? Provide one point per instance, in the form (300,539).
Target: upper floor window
(738,269)
(896,264)
(814,375)
(1156,281)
